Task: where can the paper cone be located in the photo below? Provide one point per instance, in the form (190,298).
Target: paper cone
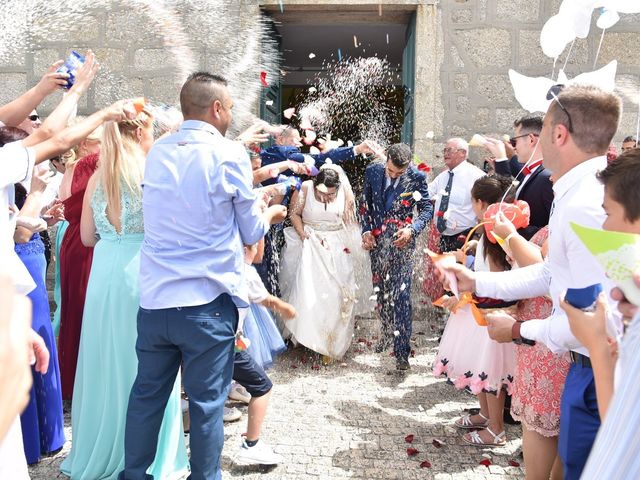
(618,253)
(443,260)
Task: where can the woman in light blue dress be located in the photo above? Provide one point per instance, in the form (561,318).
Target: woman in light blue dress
(107,362)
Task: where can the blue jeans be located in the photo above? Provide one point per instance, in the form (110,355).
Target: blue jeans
(202,337)
(579,420)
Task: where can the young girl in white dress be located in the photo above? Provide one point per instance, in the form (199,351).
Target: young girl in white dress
(467,356)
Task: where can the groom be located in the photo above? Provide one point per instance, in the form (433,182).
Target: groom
(393,191)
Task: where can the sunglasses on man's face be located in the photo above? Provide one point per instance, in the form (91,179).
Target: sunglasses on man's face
(33,118)
(514,140)
(552,94)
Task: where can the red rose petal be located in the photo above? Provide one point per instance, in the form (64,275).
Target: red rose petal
(362,340)
(412,354)
(436,443)
(513,463)
(409,438)
(425,464)
(303,360)
(346,250)
(294,366)
(412,452)
(440,213)
(486,462)
(408,220)
(405,203)
(263,79)
(315,367)
(376,232)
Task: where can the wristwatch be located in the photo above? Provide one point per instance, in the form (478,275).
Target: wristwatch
(517,338)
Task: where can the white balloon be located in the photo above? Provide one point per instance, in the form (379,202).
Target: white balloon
(578,13)
(556,33)
(604,77)
(531,92)
(620,6)
(608,18)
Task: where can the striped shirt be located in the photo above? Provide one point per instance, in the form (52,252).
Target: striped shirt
(616,451)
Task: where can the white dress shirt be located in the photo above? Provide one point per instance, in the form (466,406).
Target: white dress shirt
(460,216)
(16,163)
(616,451)
(199,209)
(578,198)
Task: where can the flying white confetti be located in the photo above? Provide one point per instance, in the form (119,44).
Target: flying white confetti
(312,55)
(417,196)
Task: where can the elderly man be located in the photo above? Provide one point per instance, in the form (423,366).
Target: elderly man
(199,209)
(575,136)
(452,191)
(287,147)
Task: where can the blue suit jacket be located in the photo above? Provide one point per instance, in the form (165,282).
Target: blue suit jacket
(375,213)
(280,153)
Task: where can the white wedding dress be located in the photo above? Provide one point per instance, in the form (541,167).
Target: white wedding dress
(327,277)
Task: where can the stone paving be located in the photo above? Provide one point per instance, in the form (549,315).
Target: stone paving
(350,420)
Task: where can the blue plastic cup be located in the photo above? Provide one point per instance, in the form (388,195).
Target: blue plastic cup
(70,66)
(584,298)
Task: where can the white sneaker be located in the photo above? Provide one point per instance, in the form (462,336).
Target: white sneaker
(239,393)
(259,454)
(231,414)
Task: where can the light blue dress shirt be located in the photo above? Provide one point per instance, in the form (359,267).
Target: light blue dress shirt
(199,209)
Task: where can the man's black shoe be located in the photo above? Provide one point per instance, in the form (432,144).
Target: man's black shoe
(402,364)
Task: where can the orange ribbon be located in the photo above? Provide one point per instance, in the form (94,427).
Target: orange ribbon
(465,299)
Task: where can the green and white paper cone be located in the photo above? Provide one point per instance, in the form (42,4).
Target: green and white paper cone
(618,253)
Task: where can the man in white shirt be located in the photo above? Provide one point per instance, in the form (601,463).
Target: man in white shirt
(454,215)
(575,136)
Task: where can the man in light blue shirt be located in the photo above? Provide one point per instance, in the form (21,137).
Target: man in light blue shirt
(199,209)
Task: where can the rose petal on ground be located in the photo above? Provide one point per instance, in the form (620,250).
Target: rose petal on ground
(425,464)
(412,452)
(409,438)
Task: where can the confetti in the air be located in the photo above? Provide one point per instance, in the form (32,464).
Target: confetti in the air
(289,112)
(312,55)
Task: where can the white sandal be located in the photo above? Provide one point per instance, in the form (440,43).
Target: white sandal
(476,440)
(465,422)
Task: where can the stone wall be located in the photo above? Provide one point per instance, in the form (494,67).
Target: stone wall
(463,51)
(484,38)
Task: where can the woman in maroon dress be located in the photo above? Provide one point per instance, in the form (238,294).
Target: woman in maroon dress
(75,265)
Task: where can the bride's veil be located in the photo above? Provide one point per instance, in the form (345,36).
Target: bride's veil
(349,216)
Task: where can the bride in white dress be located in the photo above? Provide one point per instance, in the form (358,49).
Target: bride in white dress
(324,271)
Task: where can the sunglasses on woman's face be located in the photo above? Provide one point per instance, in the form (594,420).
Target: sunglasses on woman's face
(33,118)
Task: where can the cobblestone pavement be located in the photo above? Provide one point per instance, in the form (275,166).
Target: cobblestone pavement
(350,420)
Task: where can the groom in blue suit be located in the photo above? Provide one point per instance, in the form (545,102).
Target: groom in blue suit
(393,192)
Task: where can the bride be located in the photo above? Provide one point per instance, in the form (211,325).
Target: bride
(324,268)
